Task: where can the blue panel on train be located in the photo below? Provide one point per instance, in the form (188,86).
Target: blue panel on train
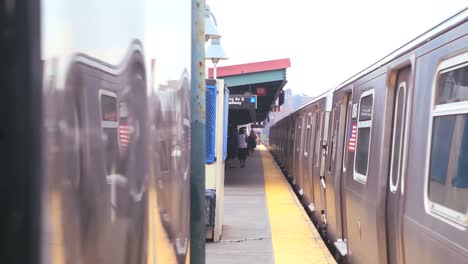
(210,125)
(210,197)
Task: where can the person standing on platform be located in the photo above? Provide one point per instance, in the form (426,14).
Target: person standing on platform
(252,144)
(232,142)
(242,150)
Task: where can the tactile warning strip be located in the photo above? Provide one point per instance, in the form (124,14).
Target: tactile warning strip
(295,239)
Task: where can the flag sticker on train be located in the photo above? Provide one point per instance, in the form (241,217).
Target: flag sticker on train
(124,135)
(352,139)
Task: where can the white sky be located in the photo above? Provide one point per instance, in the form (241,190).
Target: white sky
(327,41)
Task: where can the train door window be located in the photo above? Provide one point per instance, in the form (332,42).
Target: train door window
(398,136)
(346,141)
(164,157)
(318,135)
(299,134)
(308,134)
(334,132)
(447,179)
(363,138)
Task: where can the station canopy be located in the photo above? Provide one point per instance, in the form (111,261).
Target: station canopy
(261,82)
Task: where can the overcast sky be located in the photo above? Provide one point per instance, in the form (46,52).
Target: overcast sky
(327,41)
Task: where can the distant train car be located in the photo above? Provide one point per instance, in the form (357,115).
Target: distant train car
(380,161)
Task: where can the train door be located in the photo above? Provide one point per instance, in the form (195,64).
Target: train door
(334,174)
(290,146)
(318,198)
(394,201)
(302,135)
(297,149)
(310,160)
(306,175)
(342,142)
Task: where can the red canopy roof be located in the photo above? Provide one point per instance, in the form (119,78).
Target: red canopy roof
(261,66)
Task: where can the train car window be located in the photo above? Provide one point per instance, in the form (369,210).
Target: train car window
(363,137)
(447,179)
(453,86)
(109,116)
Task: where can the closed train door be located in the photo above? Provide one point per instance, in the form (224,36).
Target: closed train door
(395,191)
(297,151)
(306,165)
(334,174)
(316,171)
(302,160)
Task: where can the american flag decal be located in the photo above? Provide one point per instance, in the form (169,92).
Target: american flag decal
(124,135)
(352,139)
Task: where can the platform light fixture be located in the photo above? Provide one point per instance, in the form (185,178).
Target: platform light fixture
(215,53)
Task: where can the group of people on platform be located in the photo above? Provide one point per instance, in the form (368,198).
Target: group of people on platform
(240,144)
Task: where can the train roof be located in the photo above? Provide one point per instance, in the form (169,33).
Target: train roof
(439,29)
(327,94)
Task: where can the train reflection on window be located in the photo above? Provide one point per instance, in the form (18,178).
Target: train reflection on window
(363,136)
(448,185)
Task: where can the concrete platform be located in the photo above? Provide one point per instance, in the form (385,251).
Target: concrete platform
(246,227)
(263,220)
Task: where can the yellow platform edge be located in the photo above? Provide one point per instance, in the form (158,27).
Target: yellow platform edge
(294,237)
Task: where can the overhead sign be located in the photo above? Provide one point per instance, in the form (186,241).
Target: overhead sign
(242,101)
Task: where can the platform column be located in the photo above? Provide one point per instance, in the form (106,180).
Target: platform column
(197,135)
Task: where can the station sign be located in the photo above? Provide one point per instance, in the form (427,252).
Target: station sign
(243,102)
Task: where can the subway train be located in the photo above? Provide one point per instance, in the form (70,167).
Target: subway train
(98,131)
(381,161)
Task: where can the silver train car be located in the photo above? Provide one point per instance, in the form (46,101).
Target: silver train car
(97,131)
(381,161)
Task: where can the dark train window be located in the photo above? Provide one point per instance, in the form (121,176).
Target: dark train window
(108,108)
(447,188)
(363,138)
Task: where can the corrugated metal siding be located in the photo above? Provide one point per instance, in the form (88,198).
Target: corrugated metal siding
(210,123)
(225,120)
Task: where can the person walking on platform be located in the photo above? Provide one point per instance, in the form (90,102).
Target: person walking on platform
(232,142)
(242,150)
(252,144)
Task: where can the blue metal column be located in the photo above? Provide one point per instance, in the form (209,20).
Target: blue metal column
(197,136)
